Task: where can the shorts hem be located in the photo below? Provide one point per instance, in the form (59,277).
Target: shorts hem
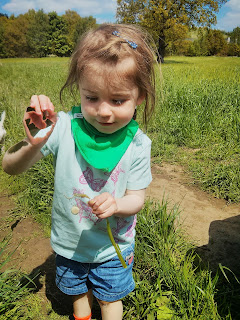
(113,297)
(72,292)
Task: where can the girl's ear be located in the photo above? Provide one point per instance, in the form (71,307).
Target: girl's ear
(140,99)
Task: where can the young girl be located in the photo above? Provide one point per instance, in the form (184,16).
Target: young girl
(102,165)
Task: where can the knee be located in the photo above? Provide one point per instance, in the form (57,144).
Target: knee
(103,304)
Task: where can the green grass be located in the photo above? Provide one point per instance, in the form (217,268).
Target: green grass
(171,280)
(167,281)
(12,292)
(197,125)
(200,112)
(19,80)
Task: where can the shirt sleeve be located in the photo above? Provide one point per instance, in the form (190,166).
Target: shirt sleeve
(140,172)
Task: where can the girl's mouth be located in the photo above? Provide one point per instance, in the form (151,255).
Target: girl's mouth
(106,124)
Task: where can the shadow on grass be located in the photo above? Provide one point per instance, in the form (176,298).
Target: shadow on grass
(170,61)
(224,245)
(61,304)
(222,256)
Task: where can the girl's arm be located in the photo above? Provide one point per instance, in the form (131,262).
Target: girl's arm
(26,153)
(21,157)
(105,205)
(131,203)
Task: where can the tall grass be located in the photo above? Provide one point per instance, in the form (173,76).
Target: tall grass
(200,113)
(19,80)
(197,125)
(11,290)
(169,286)
(171,280)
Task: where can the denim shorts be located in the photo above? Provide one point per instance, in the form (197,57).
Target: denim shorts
(108,280)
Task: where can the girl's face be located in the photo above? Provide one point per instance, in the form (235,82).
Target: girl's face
(105,105)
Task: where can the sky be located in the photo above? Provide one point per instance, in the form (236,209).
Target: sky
(228,17)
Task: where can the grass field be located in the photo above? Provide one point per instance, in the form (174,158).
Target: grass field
(196,124)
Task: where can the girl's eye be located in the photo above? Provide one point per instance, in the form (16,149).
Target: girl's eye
(92,99)
(118,102)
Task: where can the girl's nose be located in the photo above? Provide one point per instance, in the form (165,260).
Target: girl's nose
(104,110)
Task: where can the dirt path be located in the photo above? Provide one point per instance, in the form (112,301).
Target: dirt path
(210,223)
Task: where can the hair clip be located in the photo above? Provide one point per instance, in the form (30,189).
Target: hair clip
(131,43)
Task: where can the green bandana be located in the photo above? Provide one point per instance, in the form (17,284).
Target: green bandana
(102,151)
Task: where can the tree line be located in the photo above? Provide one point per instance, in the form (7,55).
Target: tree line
(175,30)
(170,22)
(37,34)
(206,42)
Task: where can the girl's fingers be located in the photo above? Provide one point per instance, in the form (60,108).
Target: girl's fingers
(41,103)
(97,201)
(38,116)
(91,202)
(103,205)
(107,213)
(45,103)
(34,103)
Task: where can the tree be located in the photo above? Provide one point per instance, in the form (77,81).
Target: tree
(37,35)
(3,23)
(158,16)
(76,26)
(83,25)
(216,43)
(175,38)
(15,41)
(71,19)
(235,35)
(233,49)
(58,43)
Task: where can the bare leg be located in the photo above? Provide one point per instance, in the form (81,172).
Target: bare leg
(82,304)
(111,310)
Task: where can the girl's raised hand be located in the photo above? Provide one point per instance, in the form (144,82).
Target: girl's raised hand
(103,205)
(39,115)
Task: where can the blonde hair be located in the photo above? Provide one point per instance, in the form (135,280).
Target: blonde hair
(102,45)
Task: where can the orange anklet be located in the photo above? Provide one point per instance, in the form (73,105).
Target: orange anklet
(84,318)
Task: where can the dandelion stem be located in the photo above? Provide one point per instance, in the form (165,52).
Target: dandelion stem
(118,251)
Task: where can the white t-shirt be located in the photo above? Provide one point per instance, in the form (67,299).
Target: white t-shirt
(76,233)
